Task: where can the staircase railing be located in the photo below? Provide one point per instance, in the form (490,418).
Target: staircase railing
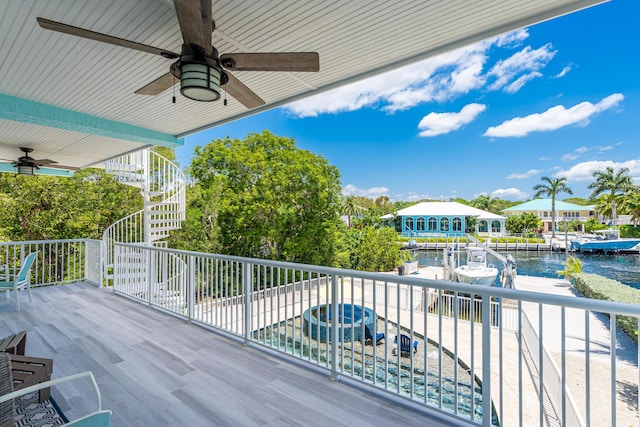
(163,187)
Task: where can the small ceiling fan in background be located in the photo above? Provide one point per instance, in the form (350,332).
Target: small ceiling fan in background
(27,165)
(199,68)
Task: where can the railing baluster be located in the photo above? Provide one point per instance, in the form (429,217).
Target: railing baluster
(612,334)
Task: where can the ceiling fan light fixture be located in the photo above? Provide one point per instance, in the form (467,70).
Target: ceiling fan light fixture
(200,81)
(26,169)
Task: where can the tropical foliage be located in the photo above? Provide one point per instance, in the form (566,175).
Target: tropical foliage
(598,287)
(612,185)
(47,207)
(528,222)
(551,187)
(267,198)
(369,249)
(572,265)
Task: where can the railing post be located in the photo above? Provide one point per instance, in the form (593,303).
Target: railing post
(486,361)
(334,329)
(149,277)
(191,287)
(247,291)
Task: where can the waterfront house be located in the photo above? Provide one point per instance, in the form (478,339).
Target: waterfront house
(429,219)
(542,209)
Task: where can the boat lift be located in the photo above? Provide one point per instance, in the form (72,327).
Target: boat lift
(508,262)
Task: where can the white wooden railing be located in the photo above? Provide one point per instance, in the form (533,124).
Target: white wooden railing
(471,364)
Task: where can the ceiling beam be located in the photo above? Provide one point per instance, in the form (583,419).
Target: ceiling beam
(22,110)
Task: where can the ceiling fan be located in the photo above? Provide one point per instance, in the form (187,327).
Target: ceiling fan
(199,68)
(27,165)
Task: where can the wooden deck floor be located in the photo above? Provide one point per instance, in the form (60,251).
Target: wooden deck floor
(156,370)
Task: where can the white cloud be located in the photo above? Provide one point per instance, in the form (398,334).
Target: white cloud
(584,171)
(582,150)
(440,123)
(527,174)
(512,73)
(517,84)
(436,79)
(569,157)
(544,158)
(509,193)
(513,38)
(564,72)
(414,197)
(554,118)
(372,193)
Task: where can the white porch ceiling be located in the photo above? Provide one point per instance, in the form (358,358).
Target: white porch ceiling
(65,84)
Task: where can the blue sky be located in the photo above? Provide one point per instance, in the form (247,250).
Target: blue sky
(558,99)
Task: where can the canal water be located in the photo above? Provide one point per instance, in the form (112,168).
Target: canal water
(623,268)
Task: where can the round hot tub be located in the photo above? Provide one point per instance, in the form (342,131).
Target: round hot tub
(351,321)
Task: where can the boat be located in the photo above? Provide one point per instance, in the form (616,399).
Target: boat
(604,241)
(477,271)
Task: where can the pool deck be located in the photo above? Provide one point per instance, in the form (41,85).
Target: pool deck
(600,387)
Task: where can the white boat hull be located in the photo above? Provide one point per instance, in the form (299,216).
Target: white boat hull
(481,276)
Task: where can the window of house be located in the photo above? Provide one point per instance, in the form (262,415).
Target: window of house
(408,223)
(420,224)
(457,224)
(433,224)
(444,224)
(483,227)
(495,226)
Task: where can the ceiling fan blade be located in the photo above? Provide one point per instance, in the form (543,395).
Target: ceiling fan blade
(242,93)
(44,162)
(283,61)
(207,22)
(192,15)
(105,38)
(158,86)
(71,168)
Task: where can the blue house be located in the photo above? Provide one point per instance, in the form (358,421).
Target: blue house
(447,219)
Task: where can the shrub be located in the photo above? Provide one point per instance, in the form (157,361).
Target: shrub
(598,287)
(572,266)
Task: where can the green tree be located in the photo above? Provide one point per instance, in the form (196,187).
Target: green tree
(350,208)
(551,187)
(374,249)
(528,222)
(630,204)
(485,202)
(611,182)
(514,224)
(604,204)
(47,207)
(275,200)
(200,230)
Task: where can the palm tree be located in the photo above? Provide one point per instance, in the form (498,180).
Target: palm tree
(630,204)
(484,202)
(612,182)
(350,207)
(551,187)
